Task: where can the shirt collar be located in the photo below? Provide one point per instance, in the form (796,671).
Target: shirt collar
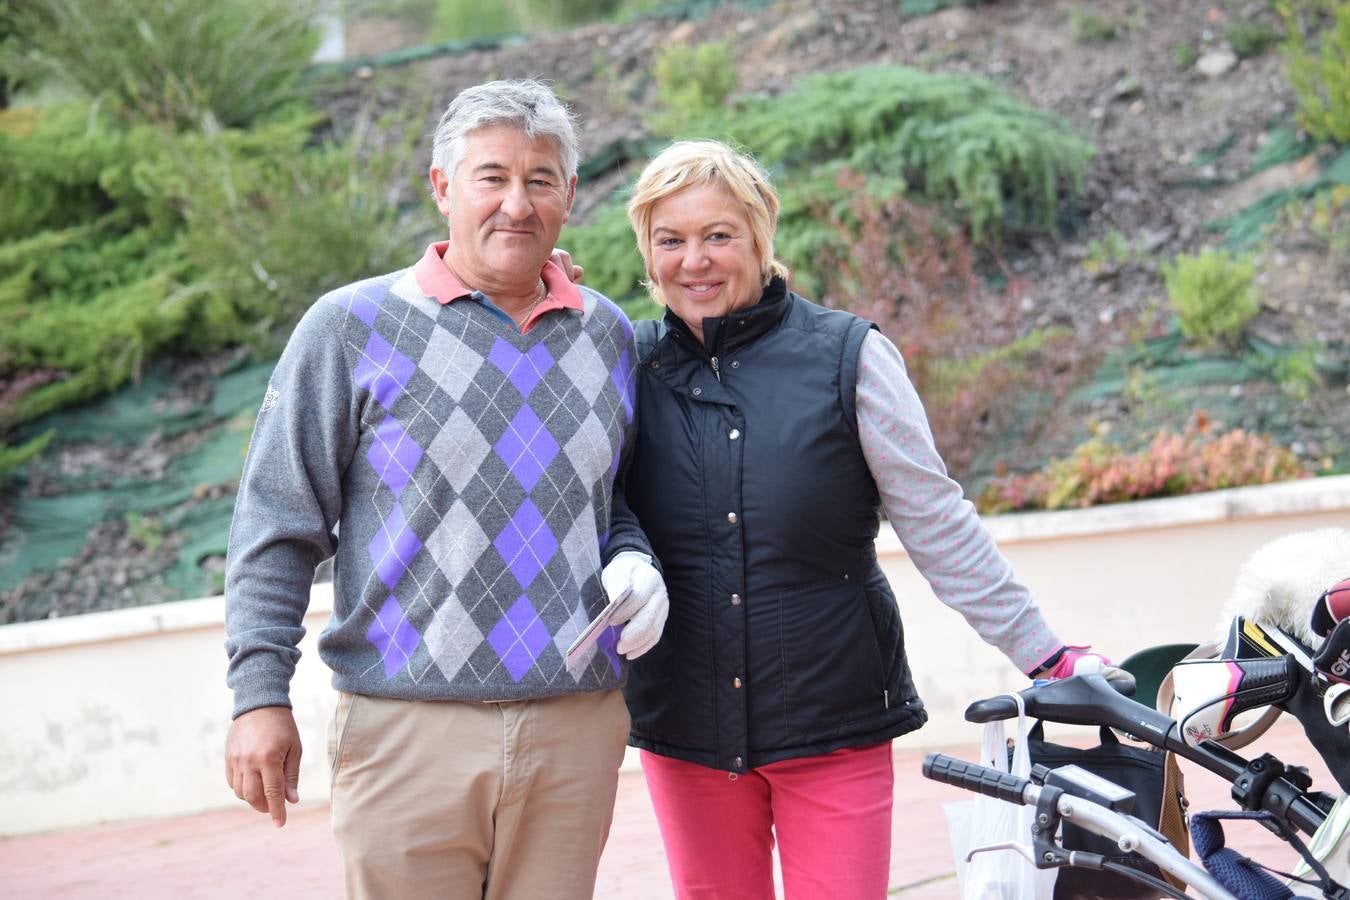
(725,334)
(435,280)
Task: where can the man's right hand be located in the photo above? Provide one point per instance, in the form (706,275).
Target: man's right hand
(262,760)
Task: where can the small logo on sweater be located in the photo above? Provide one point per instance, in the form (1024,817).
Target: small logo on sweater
(270,398)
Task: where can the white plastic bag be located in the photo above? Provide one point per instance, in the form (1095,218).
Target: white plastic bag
(998,874)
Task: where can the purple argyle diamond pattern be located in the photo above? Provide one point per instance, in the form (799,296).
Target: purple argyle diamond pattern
(383,370)
(606,642)
(524,370)
(621,319)
(362,299)
(393,455)
(519,637)
(526,543)
(527,447)
(393,547)
(393,636)
(623,377)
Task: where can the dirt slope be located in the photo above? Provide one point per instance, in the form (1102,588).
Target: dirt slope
(1175,147)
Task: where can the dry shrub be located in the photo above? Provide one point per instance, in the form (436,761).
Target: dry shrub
(1201,458)
(906,268)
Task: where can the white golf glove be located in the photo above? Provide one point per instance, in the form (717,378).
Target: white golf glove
(647,605)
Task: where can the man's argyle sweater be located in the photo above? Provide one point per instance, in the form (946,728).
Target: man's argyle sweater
(460,472)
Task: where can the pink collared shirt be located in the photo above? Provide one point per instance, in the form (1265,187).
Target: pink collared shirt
(435,279)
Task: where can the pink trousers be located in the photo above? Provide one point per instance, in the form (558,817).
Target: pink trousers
(831,815)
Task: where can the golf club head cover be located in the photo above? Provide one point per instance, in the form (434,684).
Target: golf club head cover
(1211,693)
(1332,661)
(1332,608)
(1252,639)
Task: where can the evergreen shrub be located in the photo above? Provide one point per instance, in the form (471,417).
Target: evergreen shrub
(180,63)
(271,224)
(1213,294)
(1249,39)
(691,83)
(992,164)
(143,242)
(1317,62)
(956,140)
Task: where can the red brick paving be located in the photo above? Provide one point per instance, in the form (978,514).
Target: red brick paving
(237,854)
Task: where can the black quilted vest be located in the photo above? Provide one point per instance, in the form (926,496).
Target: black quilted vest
(783,639)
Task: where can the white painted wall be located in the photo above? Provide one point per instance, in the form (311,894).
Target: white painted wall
(123,715)
(332,36)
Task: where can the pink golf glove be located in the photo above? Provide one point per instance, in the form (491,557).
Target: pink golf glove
(1080,660)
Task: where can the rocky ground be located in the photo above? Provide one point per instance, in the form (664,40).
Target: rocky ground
(1175,148)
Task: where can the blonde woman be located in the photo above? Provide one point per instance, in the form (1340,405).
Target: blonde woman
(772,431)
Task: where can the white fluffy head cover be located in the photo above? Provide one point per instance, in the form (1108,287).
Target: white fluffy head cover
(1280,582)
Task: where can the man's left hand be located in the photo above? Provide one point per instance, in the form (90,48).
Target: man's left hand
(647,605)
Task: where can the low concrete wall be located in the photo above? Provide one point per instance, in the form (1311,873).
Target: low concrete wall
(123,715)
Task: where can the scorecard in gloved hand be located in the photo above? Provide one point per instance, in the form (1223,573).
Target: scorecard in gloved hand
(591,633)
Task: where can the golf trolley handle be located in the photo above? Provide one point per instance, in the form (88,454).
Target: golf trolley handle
(1080,700)
(972,777)
(1091,700)
(1128,833)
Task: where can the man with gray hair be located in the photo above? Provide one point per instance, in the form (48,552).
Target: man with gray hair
(459,424)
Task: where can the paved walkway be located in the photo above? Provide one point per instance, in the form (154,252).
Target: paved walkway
(236,854)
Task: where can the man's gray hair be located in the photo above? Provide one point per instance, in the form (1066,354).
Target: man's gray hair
(527,104)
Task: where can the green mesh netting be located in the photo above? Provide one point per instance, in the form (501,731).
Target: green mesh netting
(1245,228)
(160,453)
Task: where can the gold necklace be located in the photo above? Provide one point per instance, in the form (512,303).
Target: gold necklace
(529,310)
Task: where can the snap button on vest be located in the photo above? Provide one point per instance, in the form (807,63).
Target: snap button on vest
(731,517)
(735,599)
(698,392)
(734,433)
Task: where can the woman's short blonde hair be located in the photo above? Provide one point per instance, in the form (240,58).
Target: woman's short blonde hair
(692,164)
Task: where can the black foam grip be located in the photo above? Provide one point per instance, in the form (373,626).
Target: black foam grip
(982,780)
(1263,682)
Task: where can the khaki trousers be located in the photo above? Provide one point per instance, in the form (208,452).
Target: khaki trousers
(474,800)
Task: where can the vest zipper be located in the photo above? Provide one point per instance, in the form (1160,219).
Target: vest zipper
(716,371)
